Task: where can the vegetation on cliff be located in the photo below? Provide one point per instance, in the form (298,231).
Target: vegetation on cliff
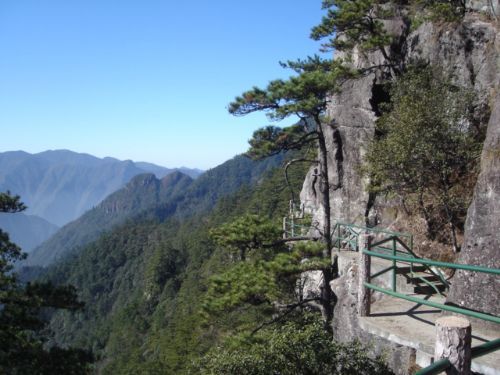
(305,95)
(296,347)
(427,150)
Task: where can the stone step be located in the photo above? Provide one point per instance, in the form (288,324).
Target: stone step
(427,289)
(408,270)
(416,278)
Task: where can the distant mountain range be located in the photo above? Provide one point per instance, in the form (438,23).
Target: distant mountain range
(26,231)
(142,192)
(59,186)
(146,198)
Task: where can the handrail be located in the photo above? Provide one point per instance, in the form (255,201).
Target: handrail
(444,363)
(437,273)
(458,310)
(465,267)
(435,368)
(486,348)
(346,234)
(291,228)
(372,229)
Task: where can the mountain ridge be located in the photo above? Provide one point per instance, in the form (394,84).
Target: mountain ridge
(60,185)
(141,192)
(147,198)
(27,231)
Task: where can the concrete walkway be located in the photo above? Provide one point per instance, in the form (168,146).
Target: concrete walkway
(412,325)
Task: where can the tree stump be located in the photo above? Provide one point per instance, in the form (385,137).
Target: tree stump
(364,294)
(453,341)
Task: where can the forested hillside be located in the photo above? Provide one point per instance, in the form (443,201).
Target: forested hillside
(149,198)
(142,192)
(143,283)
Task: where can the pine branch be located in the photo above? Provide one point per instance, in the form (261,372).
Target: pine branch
(286,240)
(289,309)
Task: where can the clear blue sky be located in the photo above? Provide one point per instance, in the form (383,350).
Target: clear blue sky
(146,80)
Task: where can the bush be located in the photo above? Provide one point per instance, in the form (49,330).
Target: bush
(294,348)
(426,148)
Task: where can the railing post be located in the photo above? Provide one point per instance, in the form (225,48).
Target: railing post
(338,237)
(394,265)
(453,341)
(364,294)
(284,228)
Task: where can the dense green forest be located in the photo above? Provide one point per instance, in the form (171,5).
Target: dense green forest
(176,194)
(143,283)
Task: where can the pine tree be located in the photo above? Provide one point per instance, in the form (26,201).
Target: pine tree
(305,95)
(22,340)
(354,23)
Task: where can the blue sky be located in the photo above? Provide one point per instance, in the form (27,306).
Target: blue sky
(143,80)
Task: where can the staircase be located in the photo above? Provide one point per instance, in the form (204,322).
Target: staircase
(421,280)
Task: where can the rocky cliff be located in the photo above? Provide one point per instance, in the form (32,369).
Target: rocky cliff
(470,51)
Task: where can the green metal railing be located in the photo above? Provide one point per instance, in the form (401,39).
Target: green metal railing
(393,243)
(442,364)
(441,306)
(411,259)
(347,235)
(295,227)
(406,253)
(398,248)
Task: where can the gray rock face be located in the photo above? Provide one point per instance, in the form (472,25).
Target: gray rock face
(491,7)
(482,236)
(347,137)
(471,52)
(346,327)
(467,52)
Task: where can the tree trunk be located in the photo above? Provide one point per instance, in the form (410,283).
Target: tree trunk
(327,295)
(445,199)
(325,189)
(327,300)
(425,212)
